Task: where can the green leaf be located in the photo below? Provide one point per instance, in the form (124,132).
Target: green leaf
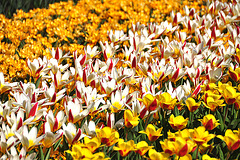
(220,153)
(39,125)
(70,40)
(176,111)
(41,153)
(48,153)
(219,116)
(38,82)
(234,123)
(56,145)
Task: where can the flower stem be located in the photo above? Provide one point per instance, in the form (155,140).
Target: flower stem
(225,115)
(147,121)
(228,156)
(197,152)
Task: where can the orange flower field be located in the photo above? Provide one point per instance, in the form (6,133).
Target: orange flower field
(121,80)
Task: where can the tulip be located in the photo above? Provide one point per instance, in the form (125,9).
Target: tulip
(80,153)
(55,123)
(117,101)
(71,133)
(150,102)
(142,147)
(229,93)
(178,123)
(180,147)
(129,119)
(166,101)
(75,111)
(231,139)
(234,74)
(168,146)
(50,138)
(154,155)
(108,136)
(207,157)
(29,139)
(209,122)
(192,105)
(99,156)
(213,101)
(124,148)
(151,132)
(200,135)
(92,144)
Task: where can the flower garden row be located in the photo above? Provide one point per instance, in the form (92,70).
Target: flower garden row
(160,91)
(71,27)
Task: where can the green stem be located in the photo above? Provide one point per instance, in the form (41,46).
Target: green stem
(225,115)
(126,133)
(228,156)
(147,121)
(197,152)
(237,114)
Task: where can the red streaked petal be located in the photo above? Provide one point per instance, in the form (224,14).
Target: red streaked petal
(70,116)
(33,110)
(77,135)
(82,61)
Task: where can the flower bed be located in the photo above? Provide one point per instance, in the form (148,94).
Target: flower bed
(157,91)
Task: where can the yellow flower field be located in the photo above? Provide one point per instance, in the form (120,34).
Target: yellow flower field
(121,80)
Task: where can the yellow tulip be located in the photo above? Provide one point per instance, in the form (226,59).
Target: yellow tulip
(129,120)
(207,157)
(209,122)
(178,123)
(150,102)
(107,135)
(78,152)
(124,148)
(192,105)
(212,101)
(92,144)
(229,93)
(142,147)
(231,139)
(181,147)
(151,132)
(99,156)
(234,74)
(166,101)
(168,146)
(200,135)
(186,157)
(154,155)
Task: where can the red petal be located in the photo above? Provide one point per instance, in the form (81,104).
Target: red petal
(57,54)
(183,151)
(209,125)
(134,62)
(55,126)
(54,97)
(143,112)
(153,105)
(236,145)
(20,123)
(82,61)
(175,75)
(77,135)
(33,110)
(70,116)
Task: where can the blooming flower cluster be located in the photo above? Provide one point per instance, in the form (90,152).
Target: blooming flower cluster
(71,26)
(165,90)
